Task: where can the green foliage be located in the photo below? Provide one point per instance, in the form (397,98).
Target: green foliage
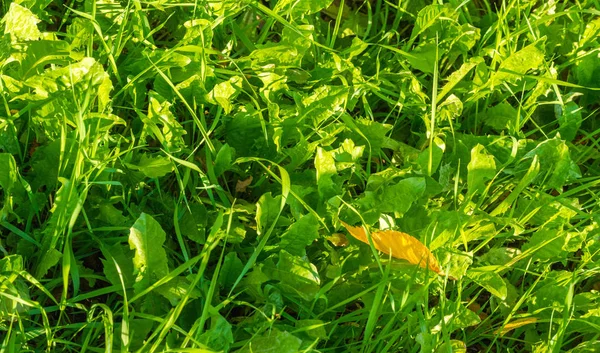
(250,129)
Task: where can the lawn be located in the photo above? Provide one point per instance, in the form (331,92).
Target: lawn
(300,176)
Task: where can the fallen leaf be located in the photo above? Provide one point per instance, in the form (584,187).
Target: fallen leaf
(399,245)
(338,239)
(241,185)
(515,325)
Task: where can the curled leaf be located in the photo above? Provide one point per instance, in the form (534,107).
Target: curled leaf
(515,325)
(399,245)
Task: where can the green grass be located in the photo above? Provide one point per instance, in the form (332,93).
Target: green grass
(173,175)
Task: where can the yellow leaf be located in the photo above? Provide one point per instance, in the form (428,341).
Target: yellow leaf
(514,325)
(399,245)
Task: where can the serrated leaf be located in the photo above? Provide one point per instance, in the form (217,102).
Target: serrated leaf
(49,260)
(147,237)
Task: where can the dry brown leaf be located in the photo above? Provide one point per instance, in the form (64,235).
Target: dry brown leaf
(515,325)
(241,185)
(399,245)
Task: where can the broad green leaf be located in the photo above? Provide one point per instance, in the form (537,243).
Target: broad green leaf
(549,297)
(219,336)
(482,168)
(273,341)
(433,153)
(326,170)
(451,108)
(556,166)
(459,317)
(223,160)
(501,116)
(160,115)
(455,263)
(592,29)
(193,223)
(147,237)
(489,279)
(499,256)
(244,133)
(121,256)
(153,167)
(42,53)
(225,92)
(399,197)
(301,7)
(347,155)
(569,119)
(176,289)
(551,212)
(547,245)
(77,75)
(446,226)
(21,24)
(297,277)
(231,269)
(274,55)
(375,134)
(300,38)
(8,178)
(110,214)
(267,209)
(253,282)
(11,263)
(431,16)
(9,141)
(518,63)
(588,70)
(300,234)
(423,57)
(324,102)
(49,260)
(356,48)
(198,32)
